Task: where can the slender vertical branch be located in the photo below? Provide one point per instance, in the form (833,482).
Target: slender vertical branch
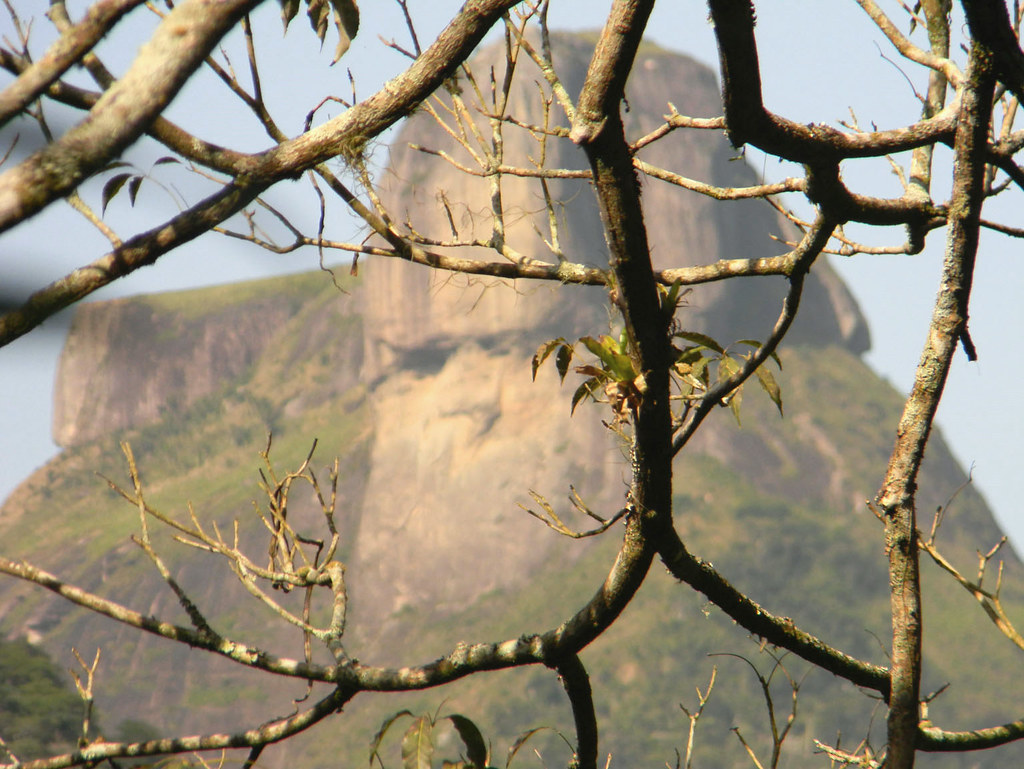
(577,685)
(948,326)
(937,17)
(599,131)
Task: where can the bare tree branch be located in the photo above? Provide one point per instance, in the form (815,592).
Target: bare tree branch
(896,499)
(62,55)
(121,115)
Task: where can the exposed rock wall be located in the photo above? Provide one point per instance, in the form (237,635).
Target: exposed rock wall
(410,308)
(447,357)
(129,362)
(453,431)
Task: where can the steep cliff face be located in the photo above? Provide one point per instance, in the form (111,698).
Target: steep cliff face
(130,362)
(420,383)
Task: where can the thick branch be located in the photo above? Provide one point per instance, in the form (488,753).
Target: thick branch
(598,129)
(935,740)
(177,48)
(949,322)
(748,122)
(577,686)
(140,251)
(990,25)
(347,133)
(780,631)
(825,189)
(64,53)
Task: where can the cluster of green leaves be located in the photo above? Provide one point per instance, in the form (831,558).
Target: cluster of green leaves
(418,742)
(134,180)
(615,379)
(346,19)
(704,362)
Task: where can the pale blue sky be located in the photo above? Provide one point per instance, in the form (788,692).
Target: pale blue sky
(819,60)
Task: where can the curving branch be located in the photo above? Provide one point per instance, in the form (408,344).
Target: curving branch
(826,190)
(749,122)
(935,740)
(779,631)
(267,734)
(798,263)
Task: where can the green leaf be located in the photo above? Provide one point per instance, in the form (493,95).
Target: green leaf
(757,346)
(596,347)
(699,369)
(585,390)
(133,188)
(592,371)
(476,748)
(317,11)
(618,365)
(734,404)
(671,297)
(770,386)
(690,355)
(623,348)
(701,339)
(418,744)
(288,10)
(562,361)
(346,19)
(379,736)
(543,352)
(520,741)
(111,188)
(726,368)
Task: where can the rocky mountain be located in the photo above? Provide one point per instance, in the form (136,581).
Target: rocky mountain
(420,383)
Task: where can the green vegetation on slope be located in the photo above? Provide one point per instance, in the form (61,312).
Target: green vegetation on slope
(40,713)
